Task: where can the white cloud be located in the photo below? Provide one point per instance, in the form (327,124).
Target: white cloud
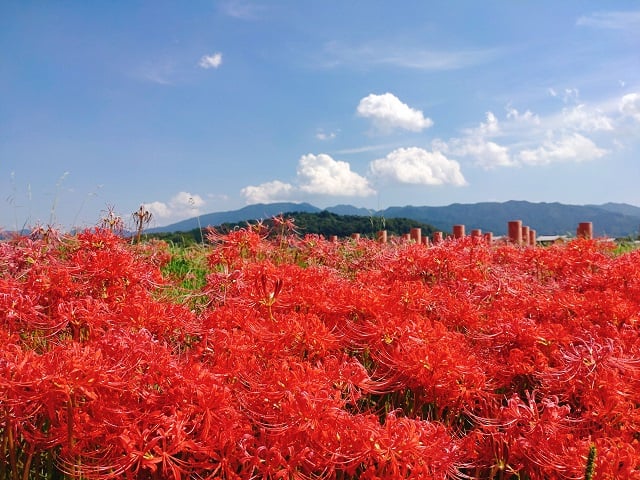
(571,133)
(316,175)
(182,204)
(211,61)
(575,147)
(485,153)
(528,116)
(491,127)
(571,95)
(611,20)
(583,119)
(526,139)
(275,191)
(568,95)
(158,209)
(187,200)
(322,135)
(418,166)
(388,113)
(321,174)
(365,148)
(630,105)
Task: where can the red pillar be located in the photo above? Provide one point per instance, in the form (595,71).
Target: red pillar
(532,237)
(476,232)
(458,231)
(416,234)
(515,231)
(488,237)
(333,238)
(585,230)
(355,236)
(437,237)
(525,235)
(382,236)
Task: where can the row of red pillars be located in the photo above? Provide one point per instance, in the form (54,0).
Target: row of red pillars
(516,233)
(520,234)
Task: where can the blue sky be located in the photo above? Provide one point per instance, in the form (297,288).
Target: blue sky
(204,106)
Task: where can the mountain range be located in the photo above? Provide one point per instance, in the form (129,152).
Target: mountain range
(609,219)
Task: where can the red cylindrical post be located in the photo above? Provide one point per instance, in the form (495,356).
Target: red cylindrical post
(525,235)
(416,234)
(458,231)
(476,232)
(488,237)
(585,230)
(355,236)
(382,236)
(515,231)
(406,237)
(333,238)
(437,237)
(425,240)
(532,237)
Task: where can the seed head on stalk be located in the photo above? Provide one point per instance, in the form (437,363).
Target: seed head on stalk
(141,218)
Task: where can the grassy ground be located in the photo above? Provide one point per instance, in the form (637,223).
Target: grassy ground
(186,272)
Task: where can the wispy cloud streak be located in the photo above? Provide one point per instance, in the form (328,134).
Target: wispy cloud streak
(611,20)
(373,55)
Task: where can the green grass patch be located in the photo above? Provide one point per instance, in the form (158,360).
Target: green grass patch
(186,273)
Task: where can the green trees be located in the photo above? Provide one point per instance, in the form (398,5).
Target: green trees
(323,223)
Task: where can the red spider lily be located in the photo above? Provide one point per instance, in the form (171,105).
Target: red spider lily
(316,360)
(534,437)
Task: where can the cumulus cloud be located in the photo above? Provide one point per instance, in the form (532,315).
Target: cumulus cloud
(486,154)
(316,175)
(527,116)
(491,127)
(211,61)
(630,105)
(388,113)
(527,139)
(275,191)
(575,131)
(574,147)
(476,144)
(158,209)
(583,119)
(321,174)
(418,166)
(181,204)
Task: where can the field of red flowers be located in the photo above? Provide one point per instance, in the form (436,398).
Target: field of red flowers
(306,359)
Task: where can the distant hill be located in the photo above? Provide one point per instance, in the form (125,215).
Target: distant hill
(622,208)
(545,218)
(250,212)
(351,210)
(610,219)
